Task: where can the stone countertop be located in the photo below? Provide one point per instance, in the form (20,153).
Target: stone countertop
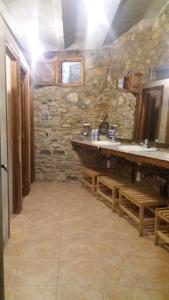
(159,158)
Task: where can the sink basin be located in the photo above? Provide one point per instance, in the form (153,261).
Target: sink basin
(105,143)
(161,155)
(136,148)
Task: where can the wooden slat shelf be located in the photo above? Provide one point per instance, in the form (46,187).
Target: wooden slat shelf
(108,189)
(163,235)
(162,225)
(89,178)
(164,214)
(144,206)
(134,210)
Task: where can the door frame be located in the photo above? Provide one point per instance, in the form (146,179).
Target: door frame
(32,139)
(1,244)
(16,130)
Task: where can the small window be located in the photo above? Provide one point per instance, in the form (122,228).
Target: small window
(71,72)
(61,72)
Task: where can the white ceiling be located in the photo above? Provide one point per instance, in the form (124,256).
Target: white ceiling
(60,24)
(42,17)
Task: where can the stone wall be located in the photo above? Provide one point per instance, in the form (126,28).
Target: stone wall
(144,46)
(60,112)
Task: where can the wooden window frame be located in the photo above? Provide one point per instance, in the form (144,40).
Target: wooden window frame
(57,64)
(40,83)
(79,59)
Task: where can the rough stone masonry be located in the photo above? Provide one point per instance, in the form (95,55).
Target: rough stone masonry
(61,111)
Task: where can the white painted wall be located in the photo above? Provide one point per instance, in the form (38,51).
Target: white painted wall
(5,35)
(4,175)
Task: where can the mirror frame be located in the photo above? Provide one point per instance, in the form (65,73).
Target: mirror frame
(141,120)
(138,114)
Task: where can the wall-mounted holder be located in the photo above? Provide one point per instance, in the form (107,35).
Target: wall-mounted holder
(138,173)
(108,164)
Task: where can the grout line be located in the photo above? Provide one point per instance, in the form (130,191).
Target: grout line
(59,254)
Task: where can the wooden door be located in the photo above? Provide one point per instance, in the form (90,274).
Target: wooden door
(17,141)
(24,92)
(14,131)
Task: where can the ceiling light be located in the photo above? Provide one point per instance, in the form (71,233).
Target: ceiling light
(34,45)
(95,13)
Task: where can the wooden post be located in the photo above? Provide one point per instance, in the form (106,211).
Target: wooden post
(114,199)
(157,223)
(141,217)
(120,202)
(93,184)
(97,189)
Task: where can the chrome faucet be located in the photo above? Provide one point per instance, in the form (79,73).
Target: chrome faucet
(146,143)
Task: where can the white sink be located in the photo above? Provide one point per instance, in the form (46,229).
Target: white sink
(161,155)
(136,148)
(105,143)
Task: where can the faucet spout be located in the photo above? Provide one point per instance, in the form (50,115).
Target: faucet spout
(146,143)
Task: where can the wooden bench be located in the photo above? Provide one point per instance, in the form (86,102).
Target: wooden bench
(89,179)
(139,205)
(108,189)
(162,225)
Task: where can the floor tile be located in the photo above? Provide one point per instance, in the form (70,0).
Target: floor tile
(79,292)
(124,291)
(79,271)
(11,269)
(153,270)
(33,293)
(41,250)
(37,272)
(119,269)
(159,291)
(66,243)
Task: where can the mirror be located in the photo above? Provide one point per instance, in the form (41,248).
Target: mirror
(154,106)
(72,72)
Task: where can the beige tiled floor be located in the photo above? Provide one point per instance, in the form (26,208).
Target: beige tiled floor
(65,245)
